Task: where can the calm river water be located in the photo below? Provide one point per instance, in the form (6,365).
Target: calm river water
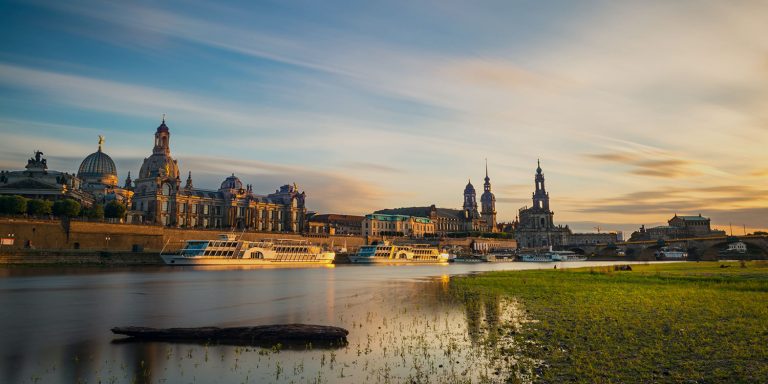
(404,324)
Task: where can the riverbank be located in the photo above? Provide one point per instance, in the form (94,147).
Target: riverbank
(679,322)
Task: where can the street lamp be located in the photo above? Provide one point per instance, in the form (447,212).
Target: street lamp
(106,239)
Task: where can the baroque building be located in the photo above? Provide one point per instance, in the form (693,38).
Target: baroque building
(467,219)
(160,198)
(678,227)
(38,182)
(536,227)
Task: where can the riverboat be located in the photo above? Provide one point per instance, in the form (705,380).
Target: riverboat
(468,259)
(552,256)
(738,247)
(671,253)
(386,252)
(227,250)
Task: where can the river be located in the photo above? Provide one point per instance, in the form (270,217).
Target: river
(404,324)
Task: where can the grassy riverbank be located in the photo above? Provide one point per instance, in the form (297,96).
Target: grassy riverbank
(682,322)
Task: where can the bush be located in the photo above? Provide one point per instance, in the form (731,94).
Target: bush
(66,208)
(39,207)
(114,210)
(13,205)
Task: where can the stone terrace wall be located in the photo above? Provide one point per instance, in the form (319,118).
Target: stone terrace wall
(52,234)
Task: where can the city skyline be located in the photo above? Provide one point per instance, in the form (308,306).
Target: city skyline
(632,123)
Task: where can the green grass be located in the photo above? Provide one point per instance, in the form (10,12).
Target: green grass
(681,322)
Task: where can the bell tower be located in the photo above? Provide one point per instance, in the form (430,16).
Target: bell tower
(541,196)
(488,202)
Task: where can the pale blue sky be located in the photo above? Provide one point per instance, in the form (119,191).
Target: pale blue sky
(637,109)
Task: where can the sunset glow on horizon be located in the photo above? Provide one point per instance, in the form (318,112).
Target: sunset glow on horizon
(638,110)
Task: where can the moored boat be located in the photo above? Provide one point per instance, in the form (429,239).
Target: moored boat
(671,253)
(227,250)
(551,255)
(386,252)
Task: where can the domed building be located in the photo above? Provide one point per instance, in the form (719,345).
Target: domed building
(98,176)
(161,199)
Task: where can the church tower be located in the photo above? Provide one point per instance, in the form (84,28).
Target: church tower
(158,182)
(470,202)
(541,196)
(488,203)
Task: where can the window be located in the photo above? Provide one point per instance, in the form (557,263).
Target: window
(166,189)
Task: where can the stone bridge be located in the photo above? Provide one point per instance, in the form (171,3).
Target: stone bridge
(705,248)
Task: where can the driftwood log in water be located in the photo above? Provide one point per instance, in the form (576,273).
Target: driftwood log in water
(287,334)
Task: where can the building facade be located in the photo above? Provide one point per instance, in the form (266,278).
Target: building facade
(535,226)
(160,198)
(594,238)
(678,227)
(380,225)
(336,224)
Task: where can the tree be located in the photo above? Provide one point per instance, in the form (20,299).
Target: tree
(96,211)
(39,207)
(13,205)
(66,208)
(114,210)
(4,202)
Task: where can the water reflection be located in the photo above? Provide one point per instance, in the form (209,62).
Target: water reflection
(403,328)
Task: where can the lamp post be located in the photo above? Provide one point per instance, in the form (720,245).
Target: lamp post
(106,240)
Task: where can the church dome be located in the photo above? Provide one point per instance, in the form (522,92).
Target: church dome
(231,182)
(159,165)
(98,167)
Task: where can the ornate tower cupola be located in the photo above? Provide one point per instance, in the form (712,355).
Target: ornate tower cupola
(162,140)
(488,202)
(541,196)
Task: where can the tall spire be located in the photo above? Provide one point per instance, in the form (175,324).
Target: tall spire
(128,182)
(189,181)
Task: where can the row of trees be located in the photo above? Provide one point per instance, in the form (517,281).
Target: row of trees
(19,205)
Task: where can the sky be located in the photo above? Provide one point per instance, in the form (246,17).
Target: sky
(638,110)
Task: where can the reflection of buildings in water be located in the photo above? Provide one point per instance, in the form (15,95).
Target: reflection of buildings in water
(484,315)
(79,360)
(141,360)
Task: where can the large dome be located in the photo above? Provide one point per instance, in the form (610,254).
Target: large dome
(159,165)
(232,182)
(98,167)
